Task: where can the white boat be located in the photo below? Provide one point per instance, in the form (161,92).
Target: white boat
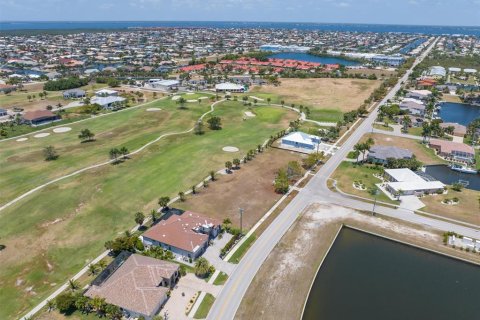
(463,169)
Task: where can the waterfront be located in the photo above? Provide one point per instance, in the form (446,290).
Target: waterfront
(382,279)
(448,176)
(311,58)
(458,112)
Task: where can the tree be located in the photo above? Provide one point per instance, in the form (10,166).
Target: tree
(92,269)
(245,99)
(181,195)
(83,304)
(50,153)
(236,163)
(153,215)
(312,159)
(269,100)
(426,131)
(281,182)
(182,102)
(202,267)
(198,129)
(86,135)
(114,154)
(228,166)
(65,302)
(358,148)
(99,304)
(113,312)
(215,123)
(73,284)
(163,201)
(50,305)
(124,152)
(139,218)
(194,189)
(212,175)
(294,170)
(406,122)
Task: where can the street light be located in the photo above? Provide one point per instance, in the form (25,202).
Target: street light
(240,210)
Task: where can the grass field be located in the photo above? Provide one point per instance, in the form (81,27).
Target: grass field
(326,98)
(382,127)
(235,258)
(204,307)
(221,279)
(63,226)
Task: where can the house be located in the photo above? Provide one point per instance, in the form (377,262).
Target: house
(39,117)
(108,102)
(137,284)
(412,106)
(419,94)
(73,94)
(458,129)
(381,154)
(7,88)
(106,93)
(437,72)
(406,182)
(164,84)
(3,112)
(229,87)
(453,150)
(301,140)
(186,235)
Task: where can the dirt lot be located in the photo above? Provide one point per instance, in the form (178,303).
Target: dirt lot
(342,94)
(451,98)
(380,73)
(425,155)
(281,286)
(249,188)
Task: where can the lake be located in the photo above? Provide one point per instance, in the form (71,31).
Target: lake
(448,176)
(459,112)
(365,277)
(311,58)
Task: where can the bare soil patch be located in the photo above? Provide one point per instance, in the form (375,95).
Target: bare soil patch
(250,188)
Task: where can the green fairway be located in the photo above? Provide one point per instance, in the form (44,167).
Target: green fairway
(51,234)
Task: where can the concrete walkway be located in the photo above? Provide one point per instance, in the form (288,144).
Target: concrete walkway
(411,203)
(212,254)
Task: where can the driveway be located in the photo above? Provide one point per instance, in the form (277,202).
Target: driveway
(411,203)
(188,285)
(212,254)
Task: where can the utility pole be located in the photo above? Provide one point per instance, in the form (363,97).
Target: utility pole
(375,202)
(240,210)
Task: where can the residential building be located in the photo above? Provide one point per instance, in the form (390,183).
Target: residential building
(406,182)
(137,284)
(229,87)
(453,150)
(39,117)
(3,112)
(106,93)
(108,102)
(419,94)
(412,106)
(186,235)
(437,72)
(381,154)
(164,84)
(301,140)
(73,94)
(458,129)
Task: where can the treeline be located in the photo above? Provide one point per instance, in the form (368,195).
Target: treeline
(65,84)
(259,55)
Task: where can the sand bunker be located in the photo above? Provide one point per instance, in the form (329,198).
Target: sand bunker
(62,129)
(153,109)
(21,139)
(42,135)
(230,149)
(249,114)
(174,98)
(256,98)
(190,92)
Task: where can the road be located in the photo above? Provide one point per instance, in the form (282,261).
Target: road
(227,303)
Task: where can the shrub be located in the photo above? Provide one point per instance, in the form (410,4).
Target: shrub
(65,302)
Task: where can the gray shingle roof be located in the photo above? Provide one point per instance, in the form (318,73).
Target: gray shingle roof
(385,152)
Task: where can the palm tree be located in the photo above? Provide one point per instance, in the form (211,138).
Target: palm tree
(268,100)
(182,102)
(228,166)
(212,175)
(358,149)
(98,304)
(50,305)
(406,122)
(163,201)
(73,284)
(181,195)
(194,189)
(124,152)
(426,131)
(236,163)
(92,269)
(139,218)
(153,215)
(245,99)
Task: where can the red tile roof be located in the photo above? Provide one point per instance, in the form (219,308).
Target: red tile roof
(38,114)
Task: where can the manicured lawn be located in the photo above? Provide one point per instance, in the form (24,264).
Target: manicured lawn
(416,131)
(235,258)
(382,127)
(63,226)
(221,279)
(477,158)
(205,306)
(348,172)
(326,115)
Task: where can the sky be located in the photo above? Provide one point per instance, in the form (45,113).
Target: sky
(417,12)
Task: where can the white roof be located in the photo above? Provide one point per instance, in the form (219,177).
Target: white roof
(103,101)
(300,137)
(454,69)
(407,180)
(421,92)
(228,86)
(470,70)
(106,92)
(166,83)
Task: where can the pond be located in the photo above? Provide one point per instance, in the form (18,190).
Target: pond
(366,277)
(311,58)
(446,175)
(459,112)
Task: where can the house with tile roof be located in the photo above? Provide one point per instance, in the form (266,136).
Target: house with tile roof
(186,235)
(137,284)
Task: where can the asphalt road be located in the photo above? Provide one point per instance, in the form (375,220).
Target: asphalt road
(227,303)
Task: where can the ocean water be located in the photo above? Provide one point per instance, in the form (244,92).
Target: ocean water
(311,58)
(382,28)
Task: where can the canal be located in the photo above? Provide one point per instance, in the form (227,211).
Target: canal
(446,175)
(459,112)
(365,277)
(311,58)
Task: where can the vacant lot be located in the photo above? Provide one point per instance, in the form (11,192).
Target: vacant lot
(326,98)
(424,154)
(467,210)
(380,73)
(63,226)
(281,286)
(249,188)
